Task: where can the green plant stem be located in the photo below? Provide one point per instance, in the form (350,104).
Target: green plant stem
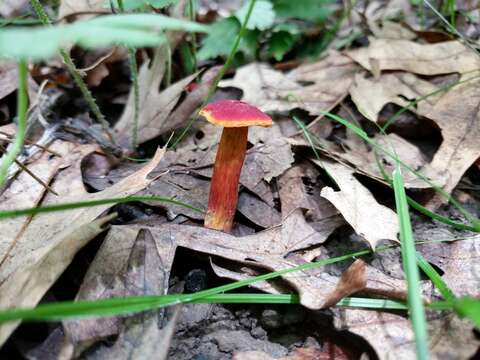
(193,45)
(222,71)
(22,107)
(72,69)
(132,61)
(414,295)
(75,205)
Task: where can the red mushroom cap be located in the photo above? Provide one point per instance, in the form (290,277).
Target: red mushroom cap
(235,113)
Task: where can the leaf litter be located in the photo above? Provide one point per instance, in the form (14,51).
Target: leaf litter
(293,206)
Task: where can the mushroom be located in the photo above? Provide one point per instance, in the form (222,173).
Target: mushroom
(235,117)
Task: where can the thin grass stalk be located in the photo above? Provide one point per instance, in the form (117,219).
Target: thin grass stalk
(81,204)
(132,63)
(221,73)
(77,77)
(414,295)
(22,107)
(193,45)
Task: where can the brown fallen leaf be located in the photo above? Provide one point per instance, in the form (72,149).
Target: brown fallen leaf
(155,105)
(30,247)
(425,59)
(352,150)
(72,7)
(273,249)
(309,353)
(272,90)
(456,113)
(392,337)
(368,218)
(370,96)
(299,188)
(136,268)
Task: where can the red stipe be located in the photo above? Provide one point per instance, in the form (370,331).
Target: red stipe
(222,202)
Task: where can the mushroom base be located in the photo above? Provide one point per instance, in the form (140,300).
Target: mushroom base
(222,202)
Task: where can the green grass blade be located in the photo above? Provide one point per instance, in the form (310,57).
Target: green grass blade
(81,204)
(414,296)
(22,106)
(470,308)
(435,277)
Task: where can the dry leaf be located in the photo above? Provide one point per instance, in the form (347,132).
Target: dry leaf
(354,151)
(271,90)
(392,338)
(370,96)
(30,247)
(274,249)
(368,218)
(309,353)
(425,59)
(456,113)
(71,7)
(155,106)
(133,269)
(299,188)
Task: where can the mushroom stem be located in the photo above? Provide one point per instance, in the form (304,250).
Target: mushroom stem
(222,202)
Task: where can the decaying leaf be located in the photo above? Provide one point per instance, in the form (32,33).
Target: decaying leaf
(370,96)
(271,90)
(425,59)
(456,113)
(155,106)
(363,157)
(72,7)
(392,338)
(368,218)
(299,188)
(134,268)
(30,247)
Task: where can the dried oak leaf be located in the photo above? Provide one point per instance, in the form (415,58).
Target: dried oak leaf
(155,106)
(26,269)
(356,203)
(135,268)
(327,82)
(370,96)
(424,59)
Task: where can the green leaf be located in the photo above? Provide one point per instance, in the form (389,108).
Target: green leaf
(136,30)
(220,38)
(280,43)
(262,16)
(407,247)
(469,308)
(314,10)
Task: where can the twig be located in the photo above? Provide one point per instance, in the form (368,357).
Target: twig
(32,174)
(9,138)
